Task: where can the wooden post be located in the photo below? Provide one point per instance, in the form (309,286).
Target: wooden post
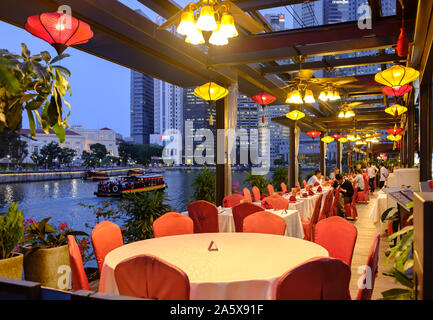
(322,158)
(220,168)
(410,132)
(425,121)
(339,155)
(292,162)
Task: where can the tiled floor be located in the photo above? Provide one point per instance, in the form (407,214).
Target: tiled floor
(366,231)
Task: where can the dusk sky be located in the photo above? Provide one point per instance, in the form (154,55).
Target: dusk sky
(100,89)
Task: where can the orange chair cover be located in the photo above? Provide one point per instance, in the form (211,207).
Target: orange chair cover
(338,236)
(149,277)
(171,224)
(276,202)
(264,222)
(106,236)
(372,262)
(256,194)
(270,188)
(232,200)
(243,210)
(309,225)
(283,188)
(315,279)
(204,215)
(78,275)
(247,195)
(304,183)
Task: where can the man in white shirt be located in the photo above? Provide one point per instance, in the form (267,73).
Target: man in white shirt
(316,178)
(371,172)
(383,175)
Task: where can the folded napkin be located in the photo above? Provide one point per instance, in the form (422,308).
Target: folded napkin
(319,189)
(292,198)
(305,194)
(310,192)
(317,184)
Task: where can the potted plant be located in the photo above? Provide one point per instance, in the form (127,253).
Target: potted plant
(11,231)
(46,255)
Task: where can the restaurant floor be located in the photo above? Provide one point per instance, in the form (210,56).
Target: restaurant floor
(366,231)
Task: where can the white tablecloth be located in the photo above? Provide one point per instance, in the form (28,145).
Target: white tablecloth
(379,207)
(305,206)
(246,266)
(292,218)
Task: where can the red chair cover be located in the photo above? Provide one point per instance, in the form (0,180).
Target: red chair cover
(276,202)
(366,292)
(363,196)
(264,222)
(270,188)
(326,209)
(232,200)
(308,226)
(171,224)
(350,208)
(315,279)
(338,236)
(247,195)
(256,194)
(204,215)
(78,275)
(284,188)
(334,207)
(106,236)
(243,210)
(149,277)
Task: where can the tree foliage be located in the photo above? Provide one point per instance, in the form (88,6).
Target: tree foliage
(30,83)
(11,230)
(11,145)
(140,153)
(257,180)
(204,184)
(280,175)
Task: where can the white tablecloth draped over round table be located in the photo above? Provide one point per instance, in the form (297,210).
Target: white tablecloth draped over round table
(246,265)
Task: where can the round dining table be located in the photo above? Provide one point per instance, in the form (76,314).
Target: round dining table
(246,266)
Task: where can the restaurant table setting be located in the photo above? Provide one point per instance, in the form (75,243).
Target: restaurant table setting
(238,266)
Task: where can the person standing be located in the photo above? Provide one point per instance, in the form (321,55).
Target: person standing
(346,193)
(383,175)
(371,172)
(334,173)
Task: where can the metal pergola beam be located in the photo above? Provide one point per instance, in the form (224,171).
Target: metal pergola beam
(371,116)
(249,5)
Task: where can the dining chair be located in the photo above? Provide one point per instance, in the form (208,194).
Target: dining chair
(304,183)
(172,224)
(106,236)
(243,210)
(247,195)
(78,275)
(364,195)
(284,188)
(350,208)
(275,202)
(309,225)
(338,236)
(264,222)
(327,204)
(204,215)
(334,207)
(316,279)
(256,194)
(150,277)
(232,200)
(366,291)
(271,190)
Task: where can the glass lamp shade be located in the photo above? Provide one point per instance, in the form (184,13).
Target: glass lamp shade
(263,98)
(296,97)
(59,29)
(336,95)
(206,21)
(295,115)
(349,113)
(187,23)
(396,76)
(327,139)
(195,37)
(398,91)
(351,137)
(210,92)
(309,97)
(360,142)
(228,26)
(341,114)
(323,96)
(313,133)
(330,96)
(343,140)
(396,110)
(218,38)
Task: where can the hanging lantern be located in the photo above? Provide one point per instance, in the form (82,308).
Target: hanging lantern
(313,133)
(210,92)
(396,110)
(351,137)
(398,91)
(402,43)
(327,139)
(394,137)
(295,115)
(394,130)
(59,29)
(396,76)
(336,136)
(343,140)
(263,99)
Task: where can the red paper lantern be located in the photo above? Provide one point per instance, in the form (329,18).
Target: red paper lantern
(336,136)
(263,99)
(395,131)
(59,29)
(397,92)
(402,43)
(313,133)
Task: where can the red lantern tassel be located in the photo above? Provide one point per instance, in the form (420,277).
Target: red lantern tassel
(263,118)
(402,44)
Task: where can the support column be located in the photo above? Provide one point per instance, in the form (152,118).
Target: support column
(339,155)
(410,132)
(425,121)
(292,155)
(403,151)
(220,167)
(322,158)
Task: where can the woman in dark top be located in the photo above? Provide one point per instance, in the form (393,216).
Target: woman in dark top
(346,190)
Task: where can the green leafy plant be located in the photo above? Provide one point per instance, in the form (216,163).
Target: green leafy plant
(402,252)
(204,184)
(259,181)
(11,230)
(32,82)
(280,175)
(43,235)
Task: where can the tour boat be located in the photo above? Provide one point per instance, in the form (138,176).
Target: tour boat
(130,184)
(95,175)
(135,172)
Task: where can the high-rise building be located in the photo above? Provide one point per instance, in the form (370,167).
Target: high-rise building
(276,21)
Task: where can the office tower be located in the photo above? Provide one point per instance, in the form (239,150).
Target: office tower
(276,21)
